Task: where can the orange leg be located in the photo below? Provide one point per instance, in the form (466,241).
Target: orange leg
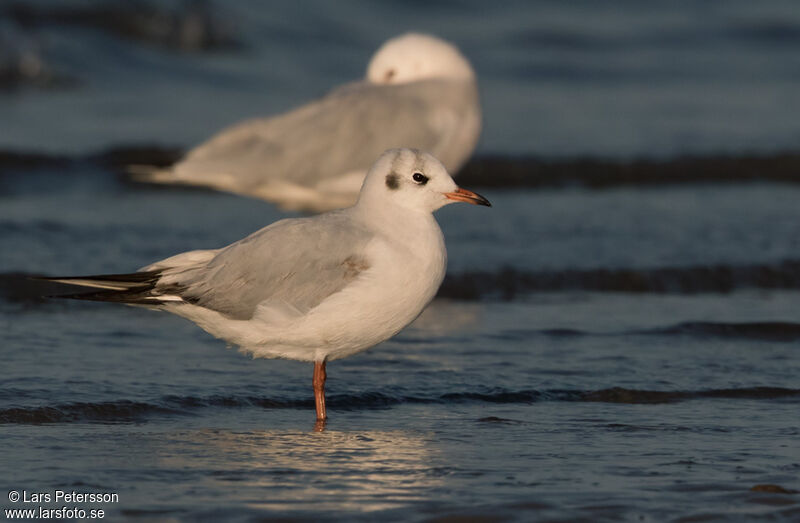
(319,389)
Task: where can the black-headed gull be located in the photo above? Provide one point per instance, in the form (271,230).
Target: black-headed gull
(419,92)
(316,288)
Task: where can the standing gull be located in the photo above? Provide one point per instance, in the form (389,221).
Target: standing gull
(419,92)
(317,288)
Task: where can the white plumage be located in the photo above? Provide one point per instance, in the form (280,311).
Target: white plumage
(316,288)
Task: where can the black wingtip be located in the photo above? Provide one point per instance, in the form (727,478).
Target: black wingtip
(134,288)
(143,277)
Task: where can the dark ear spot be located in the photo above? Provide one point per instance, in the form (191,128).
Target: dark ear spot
(389,75)
(392,181)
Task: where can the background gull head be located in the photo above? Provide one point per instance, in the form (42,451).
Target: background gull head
(413,57)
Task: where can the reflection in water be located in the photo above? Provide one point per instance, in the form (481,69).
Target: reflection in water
(286,470)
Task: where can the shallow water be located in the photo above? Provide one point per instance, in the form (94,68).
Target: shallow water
(565,404)
(618,354)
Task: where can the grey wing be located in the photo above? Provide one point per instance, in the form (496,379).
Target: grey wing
(341,133)
(295,262)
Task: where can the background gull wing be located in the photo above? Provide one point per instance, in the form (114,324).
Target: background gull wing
(339,134)
(294,263)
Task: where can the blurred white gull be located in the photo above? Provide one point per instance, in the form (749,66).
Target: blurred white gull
(316,288)
(419,92)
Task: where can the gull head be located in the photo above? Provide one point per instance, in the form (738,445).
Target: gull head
(414,180)
(412,57)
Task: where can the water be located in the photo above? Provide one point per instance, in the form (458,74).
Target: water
(623,354)
(617,78)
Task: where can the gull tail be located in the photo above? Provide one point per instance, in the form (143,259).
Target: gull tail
(137,288)
(151,174)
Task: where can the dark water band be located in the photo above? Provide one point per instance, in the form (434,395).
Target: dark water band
(123,411)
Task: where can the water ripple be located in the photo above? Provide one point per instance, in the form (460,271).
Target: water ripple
(122,411)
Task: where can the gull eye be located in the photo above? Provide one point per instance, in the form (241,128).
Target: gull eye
(419,178)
